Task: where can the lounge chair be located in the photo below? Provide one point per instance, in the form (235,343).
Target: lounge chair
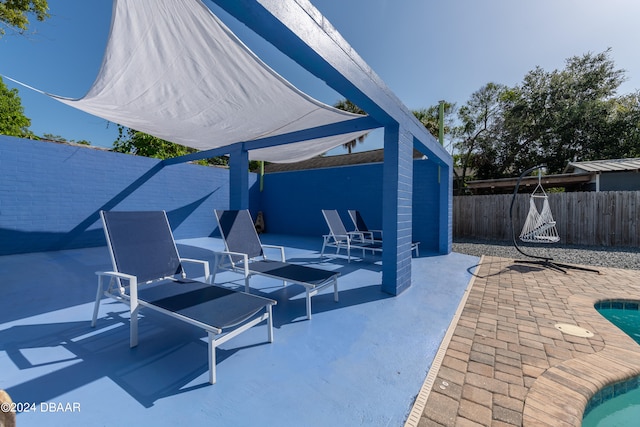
(339,237)
(148,272)
(372,235)
(245,254)
(361,226)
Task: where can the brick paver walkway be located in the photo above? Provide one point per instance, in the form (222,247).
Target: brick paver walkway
(507,364)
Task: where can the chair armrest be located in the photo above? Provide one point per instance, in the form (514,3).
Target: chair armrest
(229,253)
(365,236)
(338,237)
(245,260)
(376,231)
(118,275)
(359,235)
(204,263)
(133,284)
(281,248)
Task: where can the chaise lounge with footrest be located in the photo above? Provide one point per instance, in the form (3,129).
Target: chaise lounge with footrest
(148,272)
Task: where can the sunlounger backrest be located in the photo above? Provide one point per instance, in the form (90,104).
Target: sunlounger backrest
(239,233)
(336,226)
(358,220)
(141,244)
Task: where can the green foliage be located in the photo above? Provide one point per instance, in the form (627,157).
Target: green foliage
(14,14)
(478,134)
(570,115)
(58,138)
(429,118)
(346,105)
(13,122)
(52,137)
(551,118)
(132,141)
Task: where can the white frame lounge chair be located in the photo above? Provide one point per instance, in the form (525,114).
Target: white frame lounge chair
(147,272)
(339,237)
(361,226)
(370,235)
(245,254)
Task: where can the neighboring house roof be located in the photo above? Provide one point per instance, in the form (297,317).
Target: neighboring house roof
(504,185)
(615,165)
(373,156)
(575,175)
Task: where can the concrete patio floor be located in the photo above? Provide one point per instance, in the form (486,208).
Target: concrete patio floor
(361,361)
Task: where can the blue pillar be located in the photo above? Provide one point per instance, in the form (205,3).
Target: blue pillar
(397,204)
(445,233)
(239,179)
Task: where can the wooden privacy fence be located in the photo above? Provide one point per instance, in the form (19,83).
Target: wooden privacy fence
(608,218)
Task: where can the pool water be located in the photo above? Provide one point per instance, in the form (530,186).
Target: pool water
(620,411)
(625,319)
(618,405)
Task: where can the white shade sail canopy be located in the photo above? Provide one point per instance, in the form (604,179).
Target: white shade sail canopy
(173,70)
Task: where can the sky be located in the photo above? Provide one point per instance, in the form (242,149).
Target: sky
(425,51)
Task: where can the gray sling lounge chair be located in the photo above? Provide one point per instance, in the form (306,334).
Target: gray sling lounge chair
(372,235)
(361,226)
(339,237)
(245,254)
(147,272)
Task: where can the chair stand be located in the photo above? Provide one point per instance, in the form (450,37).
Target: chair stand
(545,262)
(549,262)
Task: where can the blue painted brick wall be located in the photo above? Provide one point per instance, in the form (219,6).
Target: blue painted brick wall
(426,205)
(50,194)
(292,201)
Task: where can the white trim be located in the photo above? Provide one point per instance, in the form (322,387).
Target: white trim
(421,400)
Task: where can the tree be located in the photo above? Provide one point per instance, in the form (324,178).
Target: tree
(429,117)
(624,129)
(58,138)
(13,122)
(132,141)
(14,14)
(349,106)
(479,143)
(139,143)
(570,114)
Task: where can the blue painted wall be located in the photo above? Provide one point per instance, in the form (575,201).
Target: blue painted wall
(51,194)
(292,201)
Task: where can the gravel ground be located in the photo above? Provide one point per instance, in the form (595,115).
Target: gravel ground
(601,256)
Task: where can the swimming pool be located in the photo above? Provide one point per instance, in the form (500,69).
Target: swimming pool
(617,404)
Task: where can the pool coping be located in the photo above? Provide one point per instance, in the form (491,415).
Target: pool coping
(464,388)
(564,390)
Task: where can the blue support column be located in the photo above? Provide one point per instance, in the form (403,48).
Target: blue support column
(445,233)
(239,179)
(397,205)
